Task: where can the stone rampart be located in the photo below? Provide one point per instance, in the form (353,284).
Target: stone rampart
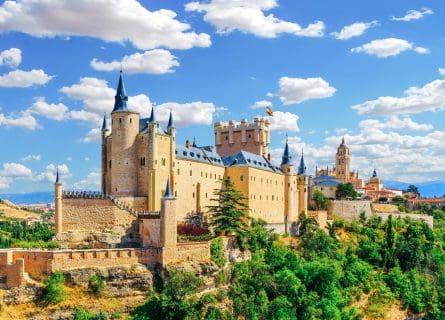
(196,251)
(349,209)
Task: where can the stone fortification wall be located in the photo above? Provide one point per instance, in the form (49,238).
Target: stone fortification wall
(12,269)
(426,218)
(349,209)
(196,251)
(149,231)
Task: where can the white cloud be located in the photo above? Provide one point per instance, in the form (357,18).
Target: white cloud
(442,71)
(413,15)
(25,120)
(114,20)
(30,157)
(394,122)
(24,79)
(48,110)
(11,57)
(187,114)
(261,104)
(49,175)
(248,16)
(4,182)
(91,182)
(354,30)
(383,48)
(86,116)
(156,61)
(94,135)
(430,97)
(298,90)
(283,122)
(15,170)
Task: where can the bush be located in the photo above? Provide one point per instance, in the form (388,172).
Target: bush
(222,277)
(53,289)
(83,314)
(187,229)
(217,253)
(96,285)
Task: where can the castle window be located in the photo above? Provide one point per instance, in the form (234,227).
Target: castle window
(201,174)
(250,136)
(177,172)
(176,193)
(163,161)
(206,195)
(142,161)
(131,120)
(120,120)
(110,164)
(206,174)
(241,178)
(288,169)
(190,173)
(227,138)
(272,198)
(193,195)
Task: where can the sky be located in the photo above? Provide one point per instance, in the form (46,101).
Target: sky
(372,72)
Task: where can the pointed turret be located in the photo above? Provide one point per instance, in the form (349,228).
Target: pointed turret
(168,191)
(286,159)
(152,115)
(170,120)
(57,176)
(374,173)
(194,143)
(302,166)
(120,99)
(104,123)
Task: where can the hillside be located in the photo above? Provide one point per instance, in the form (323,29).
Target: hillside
(11,211)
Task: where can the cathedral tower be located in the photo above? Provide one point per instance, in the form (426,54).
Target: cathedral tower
(342,162)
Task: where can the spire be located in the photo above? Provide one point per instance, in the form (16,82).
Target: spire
(343,141)
(374,174)
(286,156)
(168,191)
(120,99)
(57,175)
(170,120)
(194,143)
(104,123)
(152,115)
(302,166)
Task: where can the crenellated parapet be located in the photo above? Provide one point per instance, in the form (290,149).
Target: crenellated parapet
(84,195)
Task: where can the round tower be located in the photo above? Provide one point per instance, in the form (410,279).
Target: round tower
(302,185)
(289,202)
(58,212)
(124,129)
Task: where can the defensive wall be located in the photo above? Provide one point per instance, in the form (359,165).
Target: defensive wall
(351,209)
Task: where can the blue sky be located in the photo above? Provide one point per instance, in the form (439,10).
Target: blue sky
(371,71)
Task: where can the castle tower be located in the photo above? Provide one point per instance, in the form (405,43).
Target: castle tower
(124,129)
(168,232)
(153,188)
(375,182)
(289,200)
(252,137)
(302,185)
(104,155)
(58,204)
(171,130)
(342,162)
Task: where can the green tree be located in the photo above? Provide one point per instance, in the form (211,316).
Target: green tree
(321,201)
(412,188)
(229,215)
(96,285)
(390,243)
(53,288)
(345,190)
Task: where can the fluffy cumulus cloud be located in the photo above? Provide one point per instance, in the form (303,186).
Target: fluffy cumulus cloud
(354,30)
(35,157)
(430,97)
(157,61)
(283,122)
(261,104)
(298,90)
(248,16)
(4,182)
(11,57)
(25,120)
(48,110)
(15,170)
(187,114)
(24,79)
(114,20)
(384,48)
(94,135)
(49,175)
(91,182)
(413,15)
(396,123)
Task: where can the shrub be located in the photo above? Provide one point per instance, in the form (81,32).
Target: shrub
(187,229)
(96,285)
(53,288)
(217,253)
(83,314)
(222,277)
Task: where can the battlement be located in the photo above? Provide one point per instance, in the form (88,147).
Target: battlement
(258,123)
(83,195)
(150,215)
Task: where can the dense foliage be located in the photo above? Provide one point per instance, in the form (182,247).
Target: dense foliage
(96,285)
(53,289)
(19,234)
(320,200)
(217,252)
(346,190)
(190,232)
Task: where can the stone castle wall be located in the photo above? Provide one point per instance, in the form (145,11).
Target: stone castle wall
(349,209)
(193,251)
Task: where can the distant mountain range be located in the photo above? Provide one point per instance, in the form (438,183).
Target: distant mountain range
(427,189)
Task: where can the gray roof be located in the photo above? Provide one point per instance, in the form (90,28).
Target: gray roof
(199,154)
(244,158)
(325,181)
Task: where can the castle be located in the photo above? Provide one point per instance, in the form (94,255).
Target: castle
(139,156)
